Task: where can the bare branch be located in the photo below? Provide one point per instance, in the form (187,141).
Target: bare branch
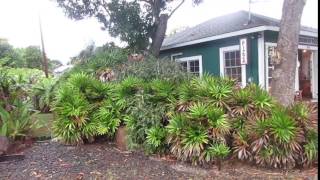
(176,8)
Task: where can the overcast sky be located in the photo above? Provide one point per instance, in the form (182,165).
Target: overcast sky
(64,38)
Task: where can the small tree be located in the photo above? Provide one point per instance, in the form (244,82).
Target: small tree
(282,85)
(33,58)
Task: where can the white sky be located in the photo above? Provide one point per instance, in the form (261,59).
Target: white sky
(64,38)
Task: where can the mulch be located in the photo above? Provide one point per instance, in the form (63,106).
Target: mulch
(51,160)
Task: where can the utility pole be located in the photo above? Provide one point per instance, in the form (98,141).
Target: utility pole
(44,58)
(249,18)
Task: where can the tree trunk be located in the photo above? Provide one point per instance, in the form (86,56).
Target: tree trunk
(159,35)
(283,77)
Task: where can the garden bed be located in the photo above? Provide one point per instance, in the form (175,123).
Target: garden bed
(48,160)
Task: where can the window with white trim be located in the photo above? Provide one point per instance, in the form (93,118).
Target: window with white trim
(232,67)
(270,52)
(192,64)
(230,64)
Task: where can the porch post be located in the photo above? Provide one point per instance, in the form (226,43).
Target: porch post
(261,61)
(296,84)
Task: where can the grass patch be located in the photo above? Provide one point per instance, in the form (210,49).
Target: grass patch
(45,120)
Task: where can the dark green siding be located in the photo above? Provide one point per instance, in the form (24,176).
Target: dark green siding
(210,54)
(271,36)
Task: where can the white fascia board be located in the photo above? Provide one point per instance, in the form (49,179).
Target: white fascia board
(236,33)
(302,32)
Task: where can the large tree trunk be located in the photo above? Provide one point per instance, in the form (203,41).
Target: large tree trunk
(283,82)
(159,35)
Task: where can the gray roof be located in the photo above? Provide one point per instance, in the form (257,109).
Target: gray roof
(224,24)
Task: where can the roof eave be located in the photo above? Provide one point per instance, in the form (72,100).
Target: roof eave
(236,33)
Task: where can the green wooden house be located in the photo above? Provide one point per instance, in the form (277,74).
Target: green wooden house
(214,47)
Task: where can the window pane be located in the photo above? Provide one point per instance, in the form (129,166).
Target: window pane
(233,62)
(234,70)
(238,54)
(228,63)
(226,55)
(232,55)
(232,65)
(191,63)
(238,63)
(184,65)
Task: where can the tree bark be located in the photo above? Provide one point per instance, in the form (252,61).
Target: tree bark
(159,35)
(285,61)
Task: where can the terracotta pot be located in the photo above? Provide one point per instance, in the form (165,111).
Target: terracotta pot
(121,138)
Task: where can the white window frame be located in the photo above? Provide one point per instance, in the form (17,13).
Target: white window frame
(222,63)
(174,55)
(267,45)
(192,58)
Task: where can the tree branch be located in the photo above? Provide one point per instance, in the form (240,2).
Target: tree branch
(176,8)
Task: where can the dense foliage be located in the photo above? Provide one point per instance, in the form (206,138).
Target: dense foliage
(134,22)
(198,120)
(16,102)
(29,57)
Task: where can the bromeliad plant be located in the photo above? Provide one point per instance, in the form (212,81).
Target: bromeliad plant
(279,141)
(190,133)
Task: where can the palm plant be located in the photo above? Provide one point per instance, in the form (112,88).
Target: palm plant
(243,105)
(186,94)
(161,90)
(219,125)
(43,93)
(156,139)
(198,111)
(129,86)
(220,93)
(262,101)
(241,145)
(193,143)
(311,147)
(216,151)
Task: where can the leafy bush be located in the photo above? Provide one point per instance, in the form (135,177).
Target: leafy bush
(84,108)
(198,120)
(17,123)
(191,133)
(42,93)
(152,68)
(15,108)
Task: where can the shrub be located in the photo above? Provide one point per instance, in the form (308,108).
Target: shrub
(17,123)
(152,68)
(218,152)
(190,133)
(42,93)
(85,109)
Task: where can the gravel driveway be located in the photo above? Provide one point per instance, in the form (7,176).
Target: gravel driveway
(49,160)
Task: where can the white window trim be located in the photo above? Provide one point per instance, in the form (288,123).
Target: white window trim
(190,58)
(222,65)
(175,54)
(267,45)
(296,86)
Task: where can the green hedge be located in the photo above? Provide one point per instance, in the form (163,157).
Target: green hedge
(198,120)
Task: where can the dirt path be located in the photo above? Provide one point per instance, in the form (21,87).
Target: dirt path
(50,160)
